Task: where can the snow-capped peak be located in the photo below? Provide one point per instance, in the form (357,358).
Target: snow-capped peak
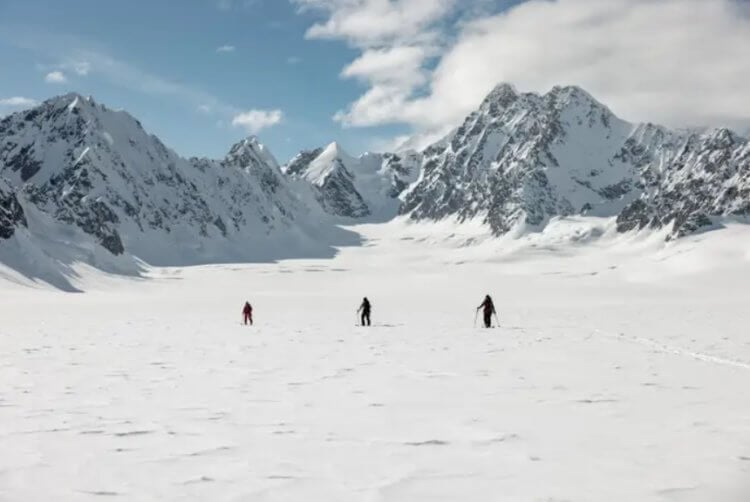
(503,93)
(354,187)
(250,152)
(333,159)
(75,101)
(335,150)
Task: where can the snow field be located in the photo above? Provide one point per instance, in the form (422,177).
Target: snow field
(617,374)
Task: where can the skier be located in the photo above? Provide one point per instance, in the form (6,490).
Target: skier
(365,310)
(489,309)
(247,313)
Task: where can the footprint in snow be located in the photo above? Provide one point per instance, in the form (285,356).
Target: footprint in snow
(202,479)
(132,433)
(103,493)
(430,442)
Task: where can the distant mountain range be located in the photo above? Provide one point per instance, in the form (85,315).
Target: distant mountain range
(368,186)
(78,179)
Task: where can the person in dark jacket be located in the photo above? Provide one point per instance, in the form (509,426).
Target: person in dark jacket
(489,309)
(247,313)
(365,309)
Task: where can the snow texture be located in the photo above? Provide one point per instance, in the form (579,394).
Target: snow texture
(619,373)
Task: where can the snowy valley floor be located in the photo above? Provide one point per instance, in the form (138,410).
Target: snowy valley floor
(620,373)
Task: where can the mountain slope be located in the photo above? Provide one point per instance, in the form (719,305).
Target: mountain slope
(354,187)
(523,158)
(327,172)
(85,166)
(11,212)
(81,183)
(704,177)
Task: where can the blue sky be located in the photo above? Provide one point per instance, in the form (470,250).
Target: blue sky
(271,66)
(202,74)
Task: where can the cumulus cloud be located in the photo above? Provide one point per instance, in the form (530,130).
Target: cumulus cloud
(55,77)
(391,65)
(393,74)
(15,103)
(397,40)
(226,48)
(373,22)
(678,62)
(682,62)
(254,121)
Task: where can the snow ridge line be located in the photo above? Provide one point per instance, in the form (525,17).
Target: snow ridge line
(671,349)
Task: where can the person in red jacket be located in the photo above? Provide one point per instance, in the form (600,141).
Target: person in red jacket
(247,313)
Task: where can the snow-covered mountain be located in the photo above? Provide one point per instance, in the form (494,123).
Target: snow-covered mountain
(367,186)
(690,181)
(78,165)
(83,183)
(523,158)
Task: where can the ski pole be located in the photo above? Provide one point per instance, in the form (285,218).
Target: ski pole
(497,320)
(476,314)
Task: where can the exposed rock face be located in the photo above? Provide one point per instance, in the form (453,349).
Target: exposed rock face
(355,187)
(11,212)
(706,176)
(325,169)
(522,158)
(301,162)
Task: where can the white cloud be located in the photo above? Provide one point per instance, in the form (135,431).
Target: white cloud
(393,74)
(226,48)
(293,60)
(81,68)
(254,121)
(55,77)
(374,22)
(681,62)
(227,5)
(15,103)
(392,65)
(397,39)
(205,109)
(18,101)
(678,62)
(378,144)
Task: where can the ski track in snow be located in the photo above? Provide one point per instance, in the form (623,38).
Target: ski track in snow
(661,347)
(626,385)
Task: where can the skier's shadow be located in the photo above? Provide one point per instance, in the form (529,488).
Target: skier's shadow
(381,325)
